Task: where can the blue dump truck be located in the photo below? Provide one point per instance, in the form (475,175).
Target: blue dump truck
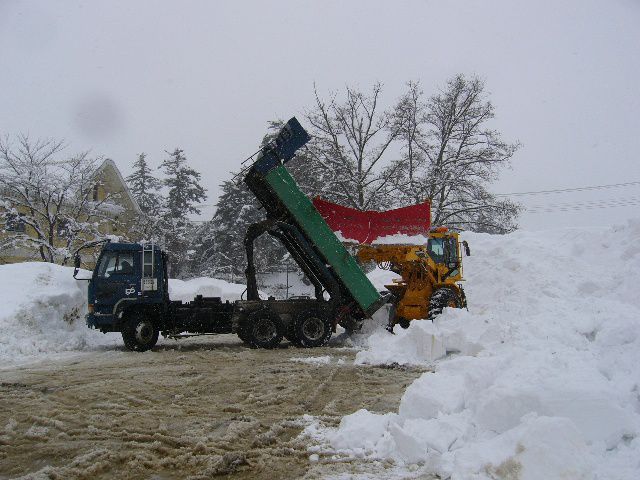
(128,290)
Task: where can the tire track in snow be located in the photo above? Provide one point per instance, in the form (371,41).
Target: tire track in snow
(187,410)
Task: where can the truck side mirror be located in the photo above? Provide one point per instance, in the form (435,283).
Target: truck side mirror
(76,268)
(76,265)
(467,250)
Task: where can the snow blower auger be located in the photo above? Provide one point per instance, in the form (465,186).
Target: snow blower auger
(428,259)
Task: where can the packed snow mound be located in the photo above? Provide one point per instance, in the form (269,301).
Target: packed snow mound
(380,277)
(401,239)
(42,310)
(539,379)
(186,290)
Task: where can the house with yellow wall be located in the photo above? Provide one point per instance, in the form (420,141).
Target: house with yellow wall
(123,214)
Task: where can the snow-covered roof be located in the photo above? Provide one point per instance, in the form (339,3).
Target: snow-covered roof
(110,163)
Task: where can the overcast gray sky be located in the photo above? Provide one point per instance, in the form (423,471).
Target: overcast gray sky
(121,77)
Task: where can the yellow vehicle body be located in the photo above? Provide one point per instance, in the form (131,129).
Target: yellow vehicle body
(424,270)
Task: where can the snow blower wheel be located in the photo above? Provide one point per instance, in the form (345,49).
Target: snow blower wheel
(442,298)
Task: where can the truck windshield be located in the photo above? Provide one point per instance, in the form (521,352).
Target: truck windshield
(115,263)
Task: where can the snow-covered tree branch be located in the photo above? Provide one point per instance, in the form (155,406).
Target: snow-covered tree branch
(48,201)
(450,156)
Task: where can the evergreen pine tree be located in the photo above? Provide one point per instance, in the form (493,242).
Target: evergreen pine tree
(236,209)
(221,251)
(183,182)
(144,186)
(184,195)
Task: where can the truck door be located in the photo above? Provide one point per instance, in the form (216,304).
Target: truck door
(117,279)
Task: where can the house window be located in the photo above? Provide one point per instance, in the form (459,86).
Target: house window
(95,192)
(14,223)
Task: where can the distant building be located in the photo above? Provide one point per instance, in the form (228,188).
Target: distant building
(123,208)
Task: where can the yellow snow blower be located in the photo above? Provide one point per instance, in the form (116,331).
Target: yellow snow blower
(430,268)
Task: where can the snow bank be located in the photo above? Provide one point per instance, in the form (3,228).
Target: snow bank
(323,360)
(539,379)
(42,310)
(395,239)
(186,290)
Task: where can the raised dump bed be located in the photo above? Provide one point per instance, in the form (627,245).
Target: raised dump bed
(293,219)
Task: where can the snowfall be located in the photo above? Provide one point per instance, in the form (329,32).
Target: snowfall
(539,379)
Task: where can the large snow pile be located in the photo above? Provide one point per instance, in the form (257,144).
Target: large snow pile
(540,379)
(42,310)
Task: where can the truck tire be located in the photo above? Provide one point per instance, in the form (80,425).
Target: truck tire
(140,333)
(312,329)
(442,298)
(404,323)
(263,330)
(242,331)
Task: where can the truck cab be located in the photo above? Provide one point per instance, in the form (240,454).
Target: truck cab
(128,292)
(127,275)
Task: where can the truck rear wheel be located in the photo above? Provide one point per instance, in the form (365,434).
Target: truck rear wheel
(263,330)
(242,331)
(442,298)
(140,333)
(312,329)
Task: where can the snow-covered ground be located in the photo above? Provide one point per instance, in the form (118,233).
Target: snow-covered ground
(540,379)
(42,309)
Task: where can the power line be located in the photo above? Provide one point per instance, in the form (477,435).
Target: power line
(564,190)
(586,205)
(538,192)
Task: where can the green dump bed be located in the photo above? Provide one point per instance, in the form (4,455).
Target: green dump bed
(279,194)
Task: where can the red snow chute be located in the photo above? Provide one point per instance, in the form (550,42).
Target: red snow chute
(367,226)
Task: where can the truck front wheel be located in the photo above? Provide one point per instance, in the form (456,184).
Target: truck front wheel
(140,333)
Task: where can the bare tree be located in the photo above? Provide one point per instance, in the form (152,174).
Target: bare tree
(48,204)
(450,156)
(352,140)
(410,115)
